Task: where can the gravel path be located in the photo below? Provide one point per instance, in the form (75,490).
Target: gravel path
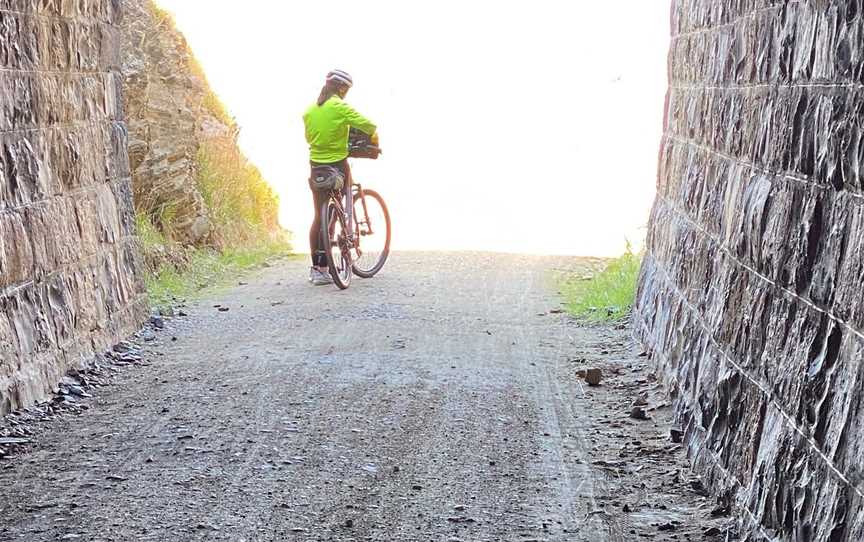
(436,402)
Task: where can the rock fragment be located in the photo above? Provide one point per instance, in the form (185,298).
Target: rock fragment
(593,376)
(638,413)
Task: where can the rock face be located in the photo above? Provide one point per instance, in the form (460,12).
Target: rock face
(69,266)
(190,178)
(166,95)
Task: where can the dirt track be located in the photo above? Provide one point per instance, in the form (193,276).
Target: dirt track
(436,402)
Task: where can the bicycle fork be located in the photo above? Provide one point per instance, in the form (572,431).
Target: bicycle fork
(349,211)
(367,221)
(369,230)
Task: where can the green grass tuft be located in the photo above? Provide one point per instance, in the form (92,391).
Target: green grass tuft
(241,204)
(213,105)
(208,269)
(174,272)
(607,296)
(148,233)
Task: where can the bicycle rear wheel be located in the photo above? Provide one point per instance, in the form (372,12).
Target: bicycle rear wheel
(336,244)
(371,233)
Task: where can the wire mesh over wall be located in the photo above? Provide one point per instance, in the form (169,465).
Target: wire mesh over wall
(752,292)
(69,280)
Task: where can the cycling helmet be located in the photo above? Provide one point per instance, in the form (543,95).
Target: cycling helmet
(340,76)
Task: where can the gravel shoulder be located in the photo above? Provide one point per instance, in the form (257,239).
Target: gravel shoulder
(438,401)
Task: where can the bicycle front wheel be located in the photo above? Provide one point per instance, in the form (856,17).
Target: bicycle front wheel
(334,232)
(371,233)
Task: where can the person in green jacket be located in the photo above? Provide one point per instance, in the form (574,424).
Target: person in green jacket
(327,124)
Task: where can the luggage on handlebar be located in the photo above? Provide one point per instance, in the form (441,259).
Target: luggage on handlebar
(360,145)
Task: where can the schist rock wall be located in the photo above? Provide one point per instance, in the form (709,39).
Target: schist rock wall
(165,110)
(752,291)
(70,284)
(190,179)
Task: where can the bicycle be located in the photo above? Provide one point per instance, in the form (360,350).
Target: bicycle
(351,227)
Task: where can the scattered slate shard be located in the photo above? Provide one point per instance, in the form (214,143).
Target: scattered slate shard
(13,440)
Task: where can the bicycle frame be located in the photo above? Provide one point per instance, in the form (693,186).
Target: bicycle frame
(344,225)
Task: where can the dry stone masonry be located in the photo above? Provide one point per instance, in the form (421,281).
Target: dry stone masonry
(752,292)
(69,280)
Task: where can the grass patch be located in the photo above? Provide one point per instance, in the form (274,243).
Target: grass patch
(241,203)
(208,269)
(216,107)
(148,234)
(607,296)
(175,273)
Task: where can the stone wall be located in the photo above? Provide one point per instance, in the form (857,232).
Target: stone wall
(69,280)
(752,292)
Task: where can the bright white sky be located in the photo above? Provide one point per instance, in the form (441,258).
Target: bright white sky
(511,126)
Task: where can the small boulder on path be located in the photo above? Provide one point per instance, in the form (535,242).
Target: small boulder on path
(592,376)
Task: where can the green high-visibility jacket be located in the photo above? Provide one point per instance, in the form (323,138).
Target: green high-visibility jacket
(327,129)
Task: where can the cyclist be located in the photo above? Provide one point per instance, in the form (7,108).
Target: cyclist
(327,125)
